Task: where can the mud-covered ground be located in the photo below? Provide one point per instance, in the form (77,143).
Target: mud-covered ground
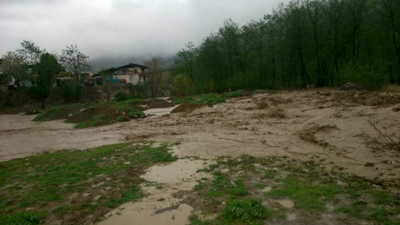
(331,124)
(357,132)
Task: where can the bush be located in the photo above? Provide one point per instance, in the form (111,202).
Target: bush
(121,96)
(183,85)
(71,92)
(369,77)
(247,211)
(234,94)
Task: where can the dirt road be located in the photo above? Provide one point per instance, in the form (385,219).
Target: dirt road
(326,123)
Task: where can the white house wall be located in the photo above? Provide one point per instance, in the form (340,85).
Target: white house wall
(132,79)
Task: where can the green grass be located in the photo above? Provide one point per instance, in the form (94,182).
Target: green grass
(99,119)
(307,184)
(201,99)
(234,94)
(47,114)
(45,182)
(245,211)
(260,91)
(305,194)
(269,174)
(94,121)
(25,218)
(260,185)
(210,99)
(132,194)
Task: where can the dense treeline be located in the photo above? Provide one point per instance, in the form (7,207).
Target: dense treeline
(305,43)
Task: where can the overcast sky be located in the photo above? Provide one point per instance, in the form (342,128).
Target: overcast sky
(113,32)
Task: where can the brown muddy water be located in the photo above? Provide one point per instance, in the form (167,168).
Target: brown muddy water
(160,206)
(325,124)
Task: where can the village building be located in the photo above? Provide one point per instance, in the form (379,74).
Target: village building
(130,73)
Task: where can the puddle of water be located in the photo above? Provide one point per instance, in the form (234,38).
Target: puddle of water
(176,176)
(146,213)
(291,216)
(267,189)
(159,111)
(330,207)
(286,203)
(175,172)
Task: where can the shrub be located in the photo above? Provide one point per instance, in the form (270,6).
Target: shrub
(234,94)
(369,77)
(121,96)
(211,99)
(246,211)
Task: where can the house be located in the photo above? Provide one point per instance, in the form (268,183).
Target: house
(130,73)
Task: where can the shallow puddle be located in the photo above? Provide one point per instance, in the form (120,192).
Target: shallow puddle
(267,189)
(160,207)
(286,203)
(175,172)
(159,111)
(291,216)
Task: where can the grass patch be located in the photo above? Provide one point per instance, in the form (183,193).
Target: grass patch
(306,195)
(25,218)
(260,91)
(210,99)
(269,174)
(231,195)
(200,99)
(245,211)
(234,94)
(94,121)
(130,195)
(48,182)
(97,114)
(47,114)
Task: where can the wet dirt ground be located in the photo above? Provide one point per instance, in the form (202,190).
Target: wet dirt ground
(331,124)
(335,126)
(160,206)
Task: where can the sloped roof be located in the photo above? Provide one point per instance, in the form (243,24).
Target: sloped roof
(130,65)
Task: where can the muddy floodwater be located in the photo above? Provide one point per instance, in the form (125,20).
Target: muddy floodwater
(334,126)
(160,206)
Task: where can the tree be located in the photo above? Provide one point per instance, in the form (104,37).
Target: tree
(185,59)
(75,62)
(14,66)
(18,65)
(46,70)
(107,87)
(30,52)
(155,73)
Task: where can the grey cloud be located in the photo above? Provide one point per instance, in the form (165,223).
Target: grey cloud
(115,30)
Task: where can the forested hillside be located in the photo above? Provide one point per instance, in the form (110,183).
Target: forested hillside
(305,43)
